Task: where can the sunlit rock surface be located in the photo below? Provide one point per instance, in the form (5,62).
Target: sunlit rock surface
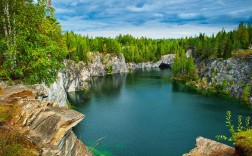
(45,124)
(207,147)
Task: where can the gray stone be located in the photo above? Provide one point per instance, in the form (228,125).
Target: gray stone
(234,71)
(207,147)
(167,59)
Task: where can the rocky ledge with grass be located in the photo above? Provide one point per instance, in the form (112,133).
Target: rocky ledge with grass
(229,77)
(76,76)
(46,125)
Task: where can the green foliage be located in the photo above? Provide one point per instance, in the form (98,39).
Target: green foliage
(233,130)
(243,142)
(246,94)
(221,88)
(109,69)
(71,106)
(32,47)
(183,67)
(144,49)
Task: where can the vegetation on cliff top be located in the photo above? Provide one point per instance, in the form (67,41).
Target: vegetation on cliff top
(241,134)
(32,47)
(11,141)
(243,142)
(142,49)
(31,44)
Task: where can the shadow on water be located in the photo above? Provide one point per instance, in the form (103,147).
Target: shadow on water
(99,87)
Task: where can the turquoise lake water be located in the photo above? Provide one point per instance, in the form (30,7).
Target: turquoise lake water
(147,114)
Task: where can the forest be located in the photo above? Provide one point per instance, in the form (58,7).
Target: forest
(145,49)
(33,47)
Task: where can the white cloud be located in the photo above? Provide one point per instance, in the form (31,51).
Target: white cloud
(156,32)
(150,18)
(158,15)
(188,15)
(63,11)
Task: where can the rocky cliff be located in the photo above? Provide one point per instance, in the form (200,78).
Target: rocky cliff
(43,116)
(167,59)
(45,124)
(76,75)
(231,75)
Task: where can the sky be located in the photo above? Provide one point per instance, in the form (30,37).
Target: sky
(151,18)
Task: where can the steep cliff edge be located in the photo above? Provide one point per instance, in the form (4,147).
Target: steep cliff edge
(76,75)
(45,124)
(43,117)
(229,76)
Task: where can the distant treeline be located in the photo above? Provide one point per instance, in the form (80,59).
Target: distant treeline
(32,46)
(145,49)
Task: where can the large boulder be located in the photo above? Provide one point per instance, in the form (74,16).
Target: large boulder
(207,147)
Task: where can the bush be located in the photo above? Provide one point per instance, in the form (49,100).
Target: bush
(243,142)
(234,130)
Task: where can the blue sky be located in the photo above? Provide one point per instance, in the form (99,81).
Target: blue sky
(151,18)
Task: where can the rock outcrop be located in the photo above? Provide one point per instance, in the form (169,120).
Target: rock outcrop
(76,75)
(166,59)
(235,73)
(54,93)
(207,147)
(45,124)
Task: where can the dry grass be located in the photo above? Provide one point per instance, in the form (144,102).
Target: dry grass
(24,94)
(14,144)
(245,53)
(5,113)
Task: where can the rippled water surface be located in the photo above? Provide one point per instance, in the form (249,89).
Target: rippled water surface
(147,114)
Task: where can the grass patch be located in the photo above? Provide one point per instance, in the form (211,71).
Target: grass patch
(242,53)
(243,142)
(5,113)
(1,90)
(14,144)
(71,106)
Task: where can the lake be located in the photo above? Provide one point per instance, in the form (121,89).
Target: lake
(145,113)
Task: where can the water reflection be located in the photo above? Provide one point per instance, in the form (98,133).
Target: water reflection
(179,87)
(99,87)
(146,113)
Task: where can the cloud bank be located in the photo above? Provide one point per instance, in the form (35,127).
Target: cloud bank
(155,19)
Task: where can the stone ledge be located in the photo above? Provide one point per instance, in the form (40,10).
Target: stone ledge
(207,147)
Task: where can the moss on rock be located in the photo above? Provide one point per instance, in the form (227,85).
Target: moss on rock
(243,142)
